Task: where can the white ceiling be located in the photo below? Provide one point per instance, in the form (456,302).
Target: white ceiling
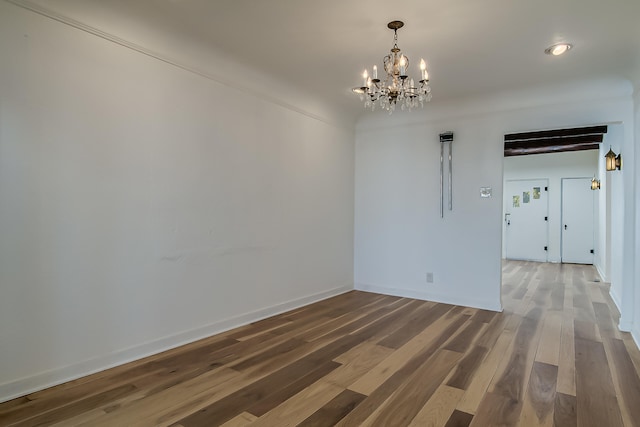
(472,47)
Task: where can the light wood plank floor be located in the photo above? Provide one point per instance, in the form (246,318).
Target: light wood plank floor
(553,357)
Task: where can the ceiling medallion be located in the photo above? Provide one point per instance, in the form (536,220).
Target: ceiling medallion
(396,87)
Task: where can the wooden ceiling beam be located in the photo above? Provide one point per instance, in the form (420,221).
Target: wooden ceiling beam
(590,130)
(523,151)
(555,142)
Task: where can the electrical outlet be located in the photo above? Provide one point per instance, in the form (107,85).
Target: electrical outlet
(429,277)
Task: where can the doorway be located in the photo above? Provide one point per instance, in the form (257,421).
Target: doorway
(551,168)
(526,214)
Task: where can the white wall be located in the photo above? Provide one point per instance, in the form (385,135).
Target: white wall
(635,329)
(399,235)
(615,186)
(143,206)
(553,166)
(602,260)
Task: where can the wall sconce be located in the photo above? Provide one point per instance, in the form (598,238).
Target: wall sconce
(595,184)
(613,161)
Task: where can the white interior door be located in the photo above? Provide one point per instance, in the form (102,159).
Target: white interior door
(577,220)
(526,226)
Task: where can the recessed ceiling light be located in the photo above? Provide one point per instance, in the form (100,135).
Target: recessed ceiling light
(558,49)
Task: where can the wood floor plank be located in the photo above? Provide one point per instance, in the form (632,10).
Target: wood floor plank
(269,353)
(380,318)
(597,404)
(480,381)
(258,398)
(495,327)
(595,294)
(459,419)
(503,403)
(155,370)
(557,296)
(554,356)
(550,341)
(415,325)
(401,374)
(462,341)
(565,411)
(566,361)
(321,330)
(626,379)
(256,328)
(389,366)
(464,371)
(582,304)
(438,409)
(356,363)
(334,410)
(525,304)
(165,416)
(512,377)
(241,420)
(497,410)
(143,411)
(604,320)
(77,407)
(586,330)
(300,406)
(420,386)
(540,396)
(632,350)
(484,316)
(84,418)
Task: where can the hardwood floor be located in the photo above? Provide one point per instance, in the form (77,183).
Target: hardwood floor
(553,357)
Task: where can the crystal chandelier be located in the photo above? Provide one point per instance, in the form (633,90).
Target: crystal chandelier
(396,87)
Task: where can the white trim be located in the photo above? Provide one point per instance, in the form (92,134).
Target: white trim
(430,296)
(614,298)
(43,380)
(636,338)
(623,324)
(601,274)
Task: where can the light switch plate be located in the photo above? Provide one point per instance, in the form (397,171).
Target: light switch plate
(485,192)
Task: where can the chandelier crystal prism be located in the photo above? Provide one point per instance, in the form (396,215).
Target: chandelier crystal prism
(397,88)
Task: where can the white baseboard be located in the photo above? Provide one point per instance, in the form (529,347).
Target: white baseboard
(43,380)
(431,296)
(623,325)
(615,299)
(603,277)
(635,334)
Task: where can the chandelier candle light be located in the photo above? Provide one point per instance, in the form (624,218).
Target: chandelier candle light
(397,87)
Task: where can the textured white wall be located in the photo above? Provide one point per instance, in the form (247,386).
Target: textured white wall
(399,235)
(143,206)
